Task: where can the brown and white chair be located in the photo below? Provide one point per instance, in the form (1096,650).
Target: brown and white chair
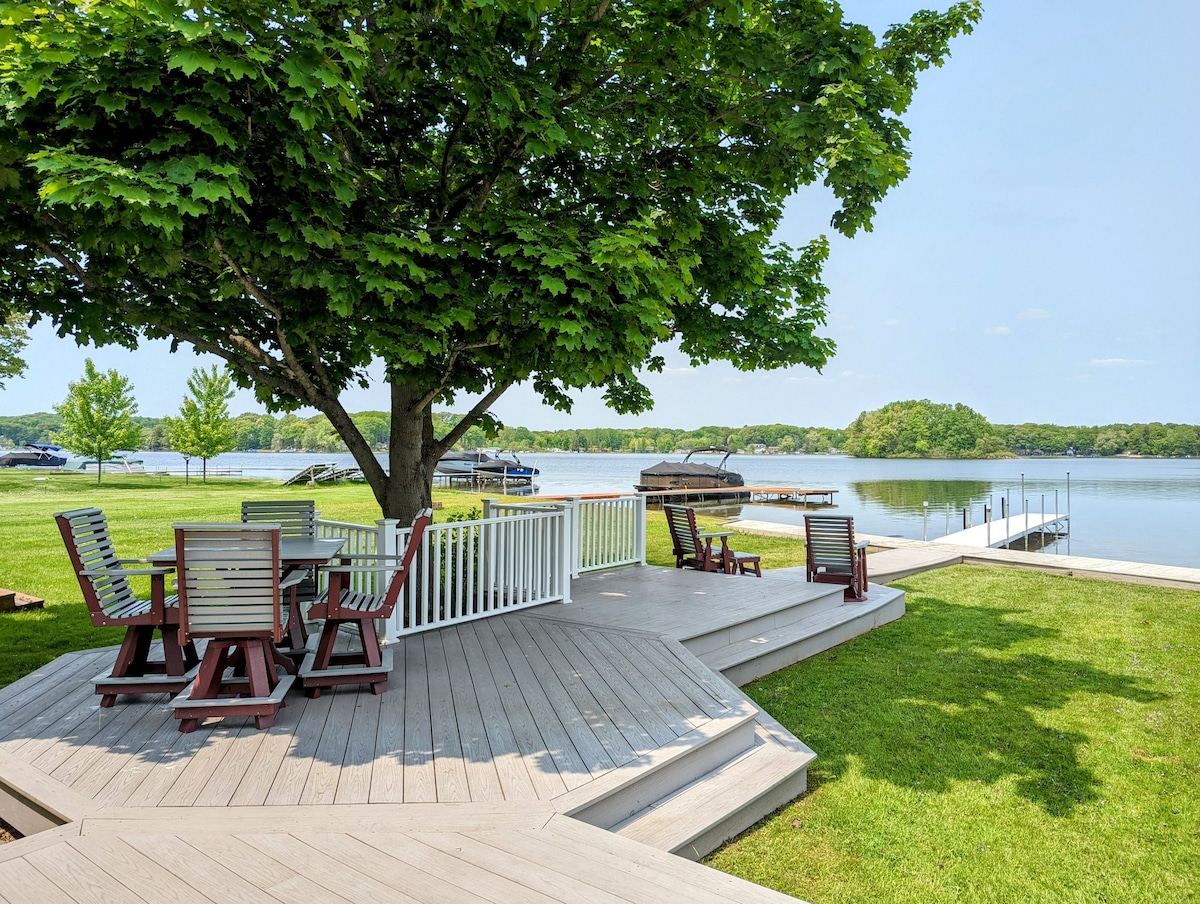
(694,548)
(342,605)
(111,601)
(296,518)
(230,592)
(833,555)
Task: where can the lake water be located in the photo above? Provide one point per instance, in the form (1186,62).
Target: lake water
(1142,510)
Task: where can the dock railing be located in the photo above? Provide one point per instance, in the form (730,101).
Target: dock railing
(518,555)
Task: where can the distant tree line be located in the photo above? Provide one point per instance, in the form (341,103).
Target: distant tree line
(915,429)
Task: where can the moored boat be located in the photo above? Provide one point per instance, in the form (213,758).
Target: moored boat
(462,463)
(690,475)
(505,469)
(121,461)
(35,455)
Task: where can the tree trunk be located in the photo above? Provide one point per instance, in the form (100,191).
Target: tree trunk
(412,456)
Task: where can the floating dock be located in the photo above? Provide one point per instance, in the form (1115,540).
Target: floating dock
(739,494)
(1003,532)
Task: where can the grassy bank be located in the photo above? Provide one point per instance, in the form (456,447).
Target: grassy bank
(1015,737)
(141,509)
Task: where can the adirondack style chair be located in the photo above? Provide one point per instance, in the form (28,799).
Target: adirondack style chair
(342,605)
(833,555)
(296,518)
(104,580)
(230,592)
(693,548)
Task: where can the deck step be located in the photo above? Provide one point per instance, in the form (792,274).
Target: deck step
(697,819)
(753,657)
(807,600)
(615,797)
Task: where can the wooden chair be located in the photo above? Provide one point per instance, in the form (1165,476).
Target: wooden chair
(342,605)
(693,548)
(230,592)
(296,518)
(104,580)
(833,555)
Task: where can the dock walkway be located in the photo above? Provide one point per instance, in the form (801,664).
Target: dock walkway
(1003,532)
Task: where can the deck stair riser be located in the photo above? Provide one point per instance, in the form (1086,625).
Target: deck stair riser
(762,654)
(722,804)
(790,610)
(634,787)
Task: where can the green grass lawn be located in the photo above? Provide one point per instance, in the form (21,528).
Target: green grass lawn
(1015,737)
(141,509)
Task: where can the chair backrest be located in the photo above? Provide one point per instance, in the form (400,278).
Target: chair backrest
(830,540)
(228,580)
(85,534)
(296,517)
(681,520)
(416,532)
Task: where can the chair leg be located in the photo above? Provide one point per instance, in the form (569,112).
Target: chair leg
(134,652)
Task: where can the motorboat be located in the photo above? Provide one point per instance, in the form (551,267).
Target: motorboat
(120,461)
(35,455)
(462,463)
(505,469)
(690,475)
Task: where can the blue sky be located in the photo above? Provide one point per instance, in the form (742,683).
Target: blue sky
(1041,263)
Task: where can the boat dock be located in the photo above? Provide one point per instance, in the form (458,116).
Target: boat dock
(1003,532)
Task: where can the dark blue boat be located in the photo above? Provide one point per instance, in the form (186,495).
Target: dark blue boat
(35,455)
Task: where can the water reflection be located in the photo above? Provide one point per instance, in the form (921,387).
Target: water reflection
(911,495)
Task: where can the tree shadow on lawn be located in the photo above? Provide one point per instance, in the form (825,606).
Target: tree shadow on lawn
(944,696)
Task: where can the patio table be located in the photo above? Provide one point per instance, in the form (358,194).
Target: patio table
(294,552)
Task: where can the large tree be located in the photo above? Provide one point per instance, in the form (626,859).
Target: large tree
(477,194)
(97,415)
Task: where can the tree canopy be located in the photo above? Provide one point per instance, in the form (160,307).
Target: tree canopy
(13,340)
(922,429)
(476,194)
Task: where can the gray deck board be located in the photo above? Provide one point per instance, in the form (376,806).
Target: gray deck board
(449,768)
(420,782)
(321,785)
(354,778)
(387,767)
(483,779)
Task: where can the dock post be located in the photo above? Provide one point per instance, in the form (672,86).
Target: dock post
(925,522)
(1042,529)
(1068,513)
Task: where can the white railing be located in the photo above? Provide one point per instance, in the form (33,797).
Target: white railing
(606,531)
(472,569)
(517,555)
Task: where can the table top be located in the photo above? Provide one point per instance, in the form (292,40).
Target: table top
(292,551)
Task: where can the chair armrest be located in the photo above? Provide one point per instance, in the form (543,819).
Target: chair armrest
(101,572)
(356,569)
(704,535)
(296,576)
(369,555)
(861,544)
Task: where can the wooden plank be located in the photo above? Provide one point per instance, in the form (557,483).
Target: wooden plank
(508,723)
(17,850)
(113,760)
(273,748)
(450,773)
(542,687)
(673,707)
(60,802)
(658,667)
(239,751)
(79,878)
(419,781)
(321,784)
(202,766)
(31,694)
(22,882)
(598,682)
(171,765)
(387,769)
(638,859)
(137,872)
(191,864)
(322,870)
(96,726)
(530,867)
(136,769)
(53,714)
(306,737)
(412,854)
(354,780)
(483,780)
(551,739)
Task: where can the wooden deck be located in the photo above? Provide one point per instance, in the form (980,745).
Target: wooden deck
(604,710)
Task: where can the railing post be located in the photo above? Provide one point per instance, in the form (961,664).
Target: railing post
(639,529)
(385,544)
(567,556)
(573,533)
(489,507)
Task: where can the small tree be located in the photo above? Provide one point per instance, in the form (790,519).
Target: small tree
(98,415)
(204,427)
(13,339)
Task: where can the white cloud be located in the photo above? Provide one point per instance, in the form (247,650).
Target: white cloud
(1001,330)
(1118,362)
(892,322)
(1034,314)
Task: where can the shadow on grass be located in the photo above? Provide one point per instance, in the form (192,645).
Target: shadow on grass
(948,695)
